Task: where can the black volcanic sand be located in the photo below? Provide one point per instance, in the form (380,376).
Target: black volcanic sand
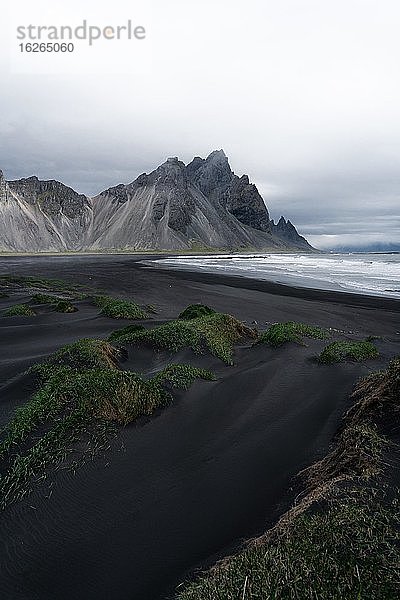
(184,487)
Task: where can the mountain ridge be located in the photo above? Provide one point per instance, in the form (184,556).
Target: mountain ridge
(174,207)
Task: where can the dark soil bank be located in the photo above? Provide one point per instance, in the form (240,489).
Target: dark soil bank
(185,486)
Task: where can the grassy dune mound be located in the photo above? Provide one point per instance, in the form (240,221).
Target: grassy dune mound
(194,311)
(346,551)
(119,309)
(86,353)
(60,305)
(281,333)
(81,391)
(19,310)
(342,539)
(215,332)
(118,334)
(344,350)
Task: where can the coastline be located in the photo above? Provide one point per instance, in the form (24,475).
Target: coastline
(138,262)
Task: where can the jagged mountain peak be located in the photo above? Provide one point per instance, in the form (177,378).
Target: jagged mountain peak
(172,171)
(217,156)
(212,175)
(31,178)
(175,206)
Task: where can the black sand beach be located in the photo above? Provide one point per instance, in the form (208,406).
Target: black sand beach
(184,487)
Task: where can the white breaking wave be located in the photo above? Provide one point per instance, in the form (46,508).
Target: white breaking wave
(376,274)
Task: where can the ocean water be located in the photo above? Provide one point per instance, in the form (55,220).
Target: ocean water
(375,273)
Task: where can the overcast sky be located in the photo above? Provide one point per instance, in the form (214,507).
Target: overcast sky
(303,95)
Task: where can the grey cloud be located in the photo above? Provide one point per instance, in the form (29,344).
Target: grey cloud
(303,96)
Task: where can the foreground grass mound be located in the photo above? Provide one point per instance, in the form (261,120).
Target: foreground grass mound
(81,394)
(19,310)
(215,332)
(347,551)
(119,309)
(377,394)
(359,445)
(342,540)
(341,351)
(281,333)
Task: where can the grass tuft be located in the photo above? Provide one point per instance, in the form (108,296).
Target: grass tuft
(64,306)
(281,333)
(86,353)
(45,299)
(194,311)
(216,332)
(182,376)
(119,309)
(341,351)
(61,305)
(116,335)
(19,310)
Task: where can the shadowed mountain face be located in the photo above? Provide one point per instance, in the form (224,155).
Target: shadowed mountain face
(42,215)
(177,206)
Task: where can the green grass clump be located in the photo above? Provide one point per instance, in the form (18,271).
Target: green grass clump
(45,299)
(349,550)
(52,447)
(64,306)
(280,333)
(182,376)
(100,393)
(116,335)
(19,310)
(69,404)
(86,353)
(61,305)
(341,351)
(194,311)
(43,405)
(119,309)
(216,332)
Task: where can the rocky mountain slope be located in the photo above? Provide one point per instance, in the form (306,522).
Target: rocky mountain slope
(42,215)
(177,206)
